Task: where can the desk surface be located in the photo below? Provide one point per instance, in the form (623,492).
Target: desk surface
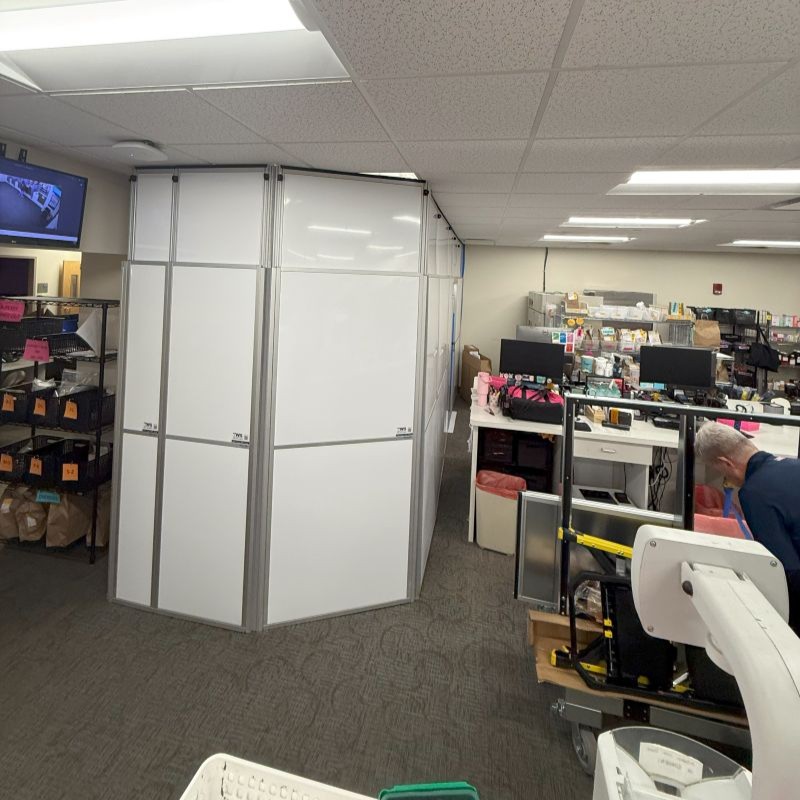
(782,441)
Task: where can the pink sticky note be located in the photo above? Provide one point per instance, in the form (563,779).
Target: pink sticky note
(36,350)
(11,310)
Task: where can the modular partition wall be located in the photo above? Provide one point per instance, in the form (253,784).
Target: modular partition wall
(284,393)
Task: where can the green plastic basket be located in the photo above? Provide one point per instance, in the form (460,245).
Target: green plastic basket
(459,790)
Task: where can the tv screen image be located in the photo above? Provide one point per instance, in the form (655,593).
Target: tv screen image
(40,206)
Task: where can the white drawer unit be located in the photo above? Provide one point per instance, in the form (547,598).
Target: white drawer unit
(613,451)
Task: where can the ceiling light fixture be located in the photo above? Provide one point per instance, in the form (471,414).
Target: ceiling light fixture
(559,237)
(125,21)
(762,243)
(408,176)
(711,181)
(406,218)
(629,222)
(334,229)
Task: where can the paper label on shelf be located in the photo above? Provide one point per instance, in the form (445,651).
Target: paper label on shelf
(405,430)
(149,427)
(36,466)
(46,496)
(240,438)
(71,410)
(8,402)
(667,763)
(69,472)
(39,407)
(36,350)
(6,462)
(11,310)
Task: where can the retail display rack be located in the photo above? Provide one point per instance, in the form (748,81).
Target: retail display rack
(81,462)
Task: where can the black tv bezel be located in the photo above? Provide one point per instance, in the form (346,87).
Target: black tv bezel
(51,244)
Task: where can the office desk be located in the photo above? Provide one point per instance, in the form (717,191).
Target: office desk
(633,448)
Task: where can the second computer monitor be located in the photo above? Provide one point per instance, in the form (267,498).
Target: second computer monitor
(686,367)
(538,359)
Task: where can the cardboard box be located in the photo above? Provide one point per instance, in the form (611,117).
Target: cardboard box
(472,362)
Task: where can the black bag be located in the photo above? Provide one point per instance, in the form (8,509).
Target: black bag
(536,406)
(763,355)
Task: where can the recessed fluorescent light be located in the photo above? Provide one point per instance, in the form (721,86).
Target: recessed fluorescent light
(409,176)
(558,237)
(711,181)
(384,247)
(406,218)
(126,21)
(629,222)
(762,243)
(335,258)
(334,229)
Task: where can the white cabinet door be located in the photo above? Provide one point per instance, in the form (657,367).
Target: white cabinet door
(203,531)
(340,528)
(152,222)
(347,347)
(212,333)
(337,223)
(220,217)
(145,320)
(137,482)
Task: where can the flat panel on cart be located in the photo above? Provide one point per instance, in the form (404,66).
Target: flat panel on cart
(137,481)
(203,530)
(340,528)
(347,347)
(339,223)
(152,222)
(145,319)
(211,352)
(220,217)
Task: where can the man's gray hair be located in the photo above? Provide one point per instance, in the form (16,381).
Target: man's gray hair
(715,440)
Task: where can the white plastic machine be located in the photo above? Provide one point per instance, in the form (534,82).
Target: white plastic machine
(730,597)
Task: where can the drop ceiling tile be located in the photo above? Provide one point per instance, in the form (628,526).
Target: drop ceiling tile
(166,117)
(598,155)
(628,32)
(470,182)
(310,112)
(762,215)
(773,108)
(391,38)
(9,88)
(474,107)
(731,151)
(569,182)
(644,102)
(51,120)
(108,155)
(347,156)
(503,155)
(477,230)
(470,200)
(726,202)
(234,153)
(596,201)
(460,216)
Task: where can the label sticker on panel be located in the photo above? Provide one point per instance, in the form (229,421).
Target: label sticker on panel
(405,430)
(670,764)
(35,467)
(241,438)
(69,472)
(149,427)
(6,462)
(47,496)
(39,407)
(8,402)
(70,410)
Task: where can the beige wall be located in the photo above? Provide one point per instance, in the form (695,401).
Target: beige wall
(497,281)
(101,275)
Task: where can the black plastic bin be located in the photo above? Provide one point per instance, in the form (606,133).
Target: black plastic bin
(43,407)
(80,470)
(17,460)
(82,411)
(14,334)
(498,446)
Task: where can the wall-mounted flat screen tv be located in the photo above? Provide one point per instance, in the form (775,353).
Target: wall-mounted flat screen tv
(40,207)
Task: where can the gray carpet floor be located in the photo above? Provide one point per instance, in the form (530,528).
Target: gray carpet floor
(102,701)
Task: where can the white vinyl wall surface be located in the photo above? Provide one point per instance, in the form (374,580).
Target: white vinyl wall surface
(286,384)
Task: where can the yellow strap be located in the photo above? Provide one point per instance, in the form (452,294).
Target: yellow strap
(596,543)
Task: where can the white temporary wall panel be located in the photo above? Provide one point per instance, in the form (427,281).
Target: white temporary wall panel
(152,221)
(428,492)
(444,327)
(430,239)
(212,331)
(220,217)
(145,319)
(336,223)
(346,357)
(137,481)
(203,530)
(340,528)
(432,346)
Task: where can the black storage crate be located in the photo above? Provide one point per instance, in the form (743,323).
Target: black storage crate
(16,458)
(533,452)
(498,446)
(14,334)
(80,469)
(43,408)
(62,344)
(83,411)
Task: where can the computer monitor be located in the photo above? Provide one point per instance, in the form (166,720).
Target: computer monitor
(688,367)
(534,333)
(538,359)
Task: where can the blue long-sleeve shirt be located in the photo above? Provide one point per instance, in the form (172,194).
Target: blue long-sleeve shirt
(770,499)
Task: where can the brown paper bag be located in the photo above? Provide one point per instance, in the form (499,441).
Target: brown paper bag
(9,502)
(68,520)
(706,333)
(103,518)
(31,517)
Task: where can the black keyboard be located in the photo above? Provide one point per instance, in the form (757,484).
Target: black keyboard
(667,422)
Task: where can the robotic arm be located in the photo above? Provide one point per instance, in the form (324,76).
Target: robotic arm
(729,596)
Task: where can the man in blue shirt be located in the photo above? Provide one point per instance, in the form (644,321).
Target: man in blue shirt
(769,493)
